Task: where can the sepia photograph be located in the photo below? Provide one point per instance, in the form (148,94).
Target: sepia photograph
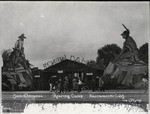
(70,57)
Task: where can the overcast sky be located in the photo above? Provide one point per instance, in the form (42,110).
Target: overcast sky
(71,28)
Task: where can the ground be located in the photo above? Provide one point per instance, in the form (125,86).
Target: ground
(11,99)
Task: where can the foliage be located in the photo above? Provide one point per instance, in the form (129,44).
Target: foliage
(143,52)
(91,63)
(108,53)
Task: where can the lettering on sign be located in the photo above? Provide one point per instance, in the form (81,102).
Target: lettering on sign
(60,71)
(89,73)
(59,59)
(37,76)
(72,57)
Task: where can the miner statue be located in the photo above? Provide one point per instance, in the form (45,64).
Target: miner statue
(16,65)
(19,45)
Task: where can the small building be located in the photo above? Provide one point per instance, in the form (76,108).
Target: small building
(37,78)
(67,69)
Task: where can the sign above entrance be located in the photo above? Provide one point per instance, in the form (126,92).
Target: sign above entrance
(60,71)
(59,59)
(89,73)
(37,76)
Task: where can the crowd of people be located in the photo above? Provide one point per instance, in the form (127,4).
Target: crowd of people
(76,84)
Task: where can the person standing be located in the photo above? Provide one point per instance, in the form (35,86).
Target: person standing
(103,87)
(66,84)
(69,83)
(50,85)
(101,84)
(93,84)
(79,85)
(61,84)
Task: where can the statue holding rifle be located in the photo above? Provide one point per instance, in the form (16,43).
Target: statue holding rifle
(129,45)
(127,69)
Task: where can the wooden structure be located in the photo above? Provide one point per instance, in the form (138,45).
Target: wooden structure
(70,69)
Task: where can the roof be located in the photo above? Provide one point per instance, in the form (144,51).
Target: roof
(71,65)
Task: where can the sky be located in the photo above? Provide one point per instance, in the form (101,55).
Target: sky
(54,29)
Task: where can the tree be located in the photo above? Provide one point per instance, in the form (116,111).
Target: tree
(143,52)
(91,63)
(108,53)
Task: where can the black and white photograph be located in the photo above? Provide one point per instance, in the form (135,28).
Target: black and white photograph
(70,57)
